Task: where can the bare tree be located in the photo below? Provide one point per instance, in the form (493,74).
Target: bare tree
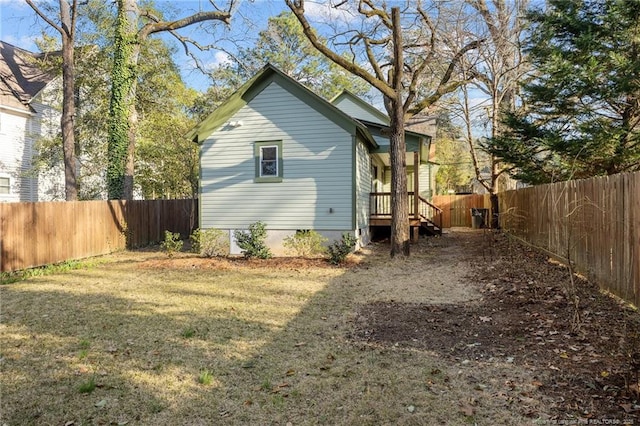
(397,52)
(67,15)
(499,67)
(133,26)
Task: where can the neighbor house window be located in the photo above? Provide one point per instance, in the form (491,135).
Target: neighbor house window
(268,157)
(5,185)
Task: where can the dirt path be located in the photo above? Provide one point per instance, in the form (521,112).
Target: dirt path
(552,350)
(437,271)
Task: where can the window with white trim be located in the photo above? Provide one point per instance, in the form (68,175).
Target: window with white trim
(5,185)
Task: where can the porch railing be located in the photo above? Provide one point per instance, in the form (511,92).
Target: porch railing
(380,205)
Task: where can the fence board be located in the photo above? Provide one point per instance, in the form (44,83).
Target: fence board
(456,209)
(36,234)
(595,223)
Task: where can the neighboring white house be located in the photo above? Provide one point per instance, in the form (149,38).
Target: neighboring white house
(276,152)
(27,98)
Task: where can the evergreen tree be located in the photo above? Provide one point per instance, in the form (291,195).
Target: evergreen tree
(582,106)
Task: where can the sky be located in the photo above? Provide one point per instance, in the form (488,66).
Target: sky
(20,26)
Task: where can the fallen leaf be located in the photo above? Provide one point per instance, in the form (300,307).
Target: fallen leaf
(626,407)
(526,400)
(290,372)
(279,387)
(564,355)
(101,403)
(604,374)
(467,410)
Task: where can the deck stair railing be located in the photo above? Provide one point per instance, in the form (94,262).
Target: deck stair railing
(380,206)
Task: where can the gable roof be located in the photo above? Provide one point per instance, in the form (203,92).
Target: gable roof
(259,82)
(21,78)
(358,108)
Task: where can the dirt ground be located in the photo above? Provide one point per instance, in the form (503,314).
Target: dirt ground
(472,328)
(480,299)
(484,299)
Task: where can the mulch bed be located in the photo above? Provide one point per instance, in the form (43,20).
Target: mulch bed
(577,341)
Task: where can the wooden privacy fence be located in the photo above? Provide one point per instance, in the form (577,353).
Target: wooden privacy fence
(595,223)
(456,209)
(36,234)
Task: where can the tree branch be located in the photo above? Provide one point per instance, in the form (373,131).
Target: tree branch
(159,26)
(37,10)
(297,7)
(446,86)
(373,11)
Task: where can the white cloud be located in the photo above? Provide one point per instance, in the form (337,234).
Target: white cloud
(325,12)
(14,3)
(220,58)
(23,42)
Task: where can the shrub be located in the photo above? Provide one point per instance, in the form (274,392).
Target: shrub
(195,238)
(172,243)
(339,249)
(305,243)
(210,242)
(252,242)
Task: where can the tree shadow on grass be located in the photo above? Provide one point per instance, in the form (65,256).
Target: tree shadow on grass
(278,354)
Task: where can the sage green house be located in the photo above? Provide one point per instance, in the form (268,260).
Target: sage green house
(275,152)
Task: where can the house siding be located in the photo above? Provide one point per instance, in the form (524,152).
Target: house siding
(19,135)
(50,181)
(363,189)
(15,155)
(317,183)
(424,178)
(353,109)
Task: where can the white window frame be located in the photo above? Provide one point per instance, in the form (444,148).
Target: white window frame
(8,186)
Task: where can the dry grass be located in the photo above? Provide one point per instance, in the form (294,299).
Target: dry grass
(272,342)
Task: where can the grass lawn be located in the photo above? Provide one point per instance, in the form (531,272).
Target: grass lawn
(142,339)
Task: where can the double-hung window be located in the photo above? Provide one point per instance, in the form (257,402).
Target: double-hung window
(268,157)
(5,185)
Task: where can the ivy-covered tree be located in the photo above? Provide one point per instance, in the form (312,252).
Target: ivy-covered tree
(581,115)
(165,162)
(133,26)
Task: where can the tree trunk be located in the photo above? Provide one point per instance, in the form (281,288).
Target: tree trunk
(495,211)
(67,119)
(399,195)
(122,116)
(68,104)
(130,165)
(397,148)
